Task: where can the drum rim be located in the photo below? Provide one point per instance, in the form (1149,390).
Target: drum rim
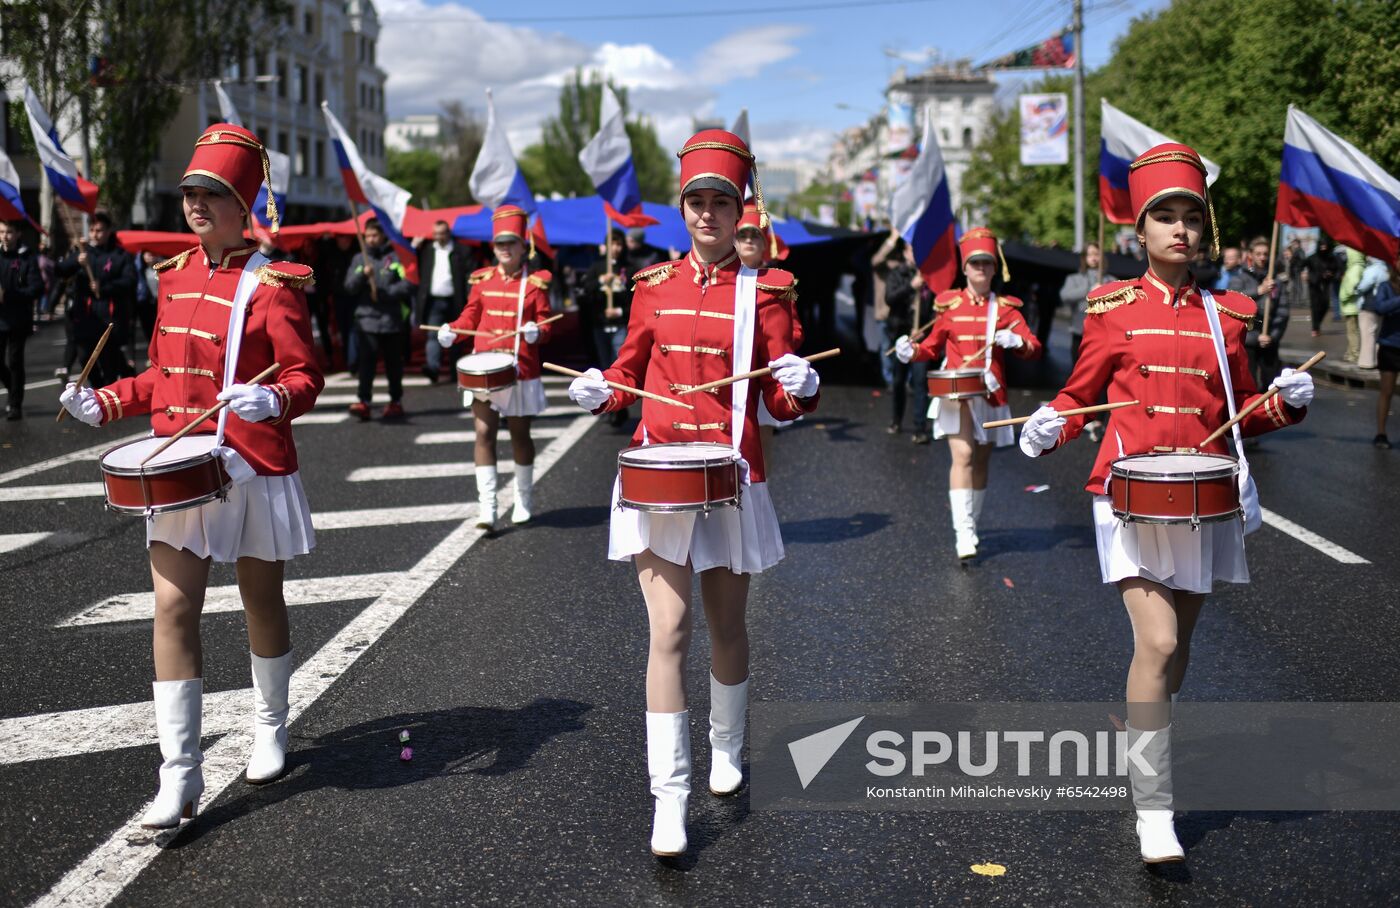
(1178,521)
(501,368)
(140,510)
(717,461)
(731,502)
(151,469)
(954,373)
(1224,471)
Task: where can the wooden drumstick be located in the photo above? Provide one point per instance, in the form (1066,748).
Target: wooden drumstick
(1077,411)
(87,370)
(758,373)
(914,333)
(467,331)
(552,318)
(564,370)
(208,413)
(1260,401)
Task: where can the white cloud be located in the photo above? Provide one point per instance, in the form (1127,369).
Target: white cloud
(792,141)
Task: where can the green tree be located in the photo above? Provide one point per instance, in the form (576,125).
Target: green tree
(551,165)
(461,142)
(417,171)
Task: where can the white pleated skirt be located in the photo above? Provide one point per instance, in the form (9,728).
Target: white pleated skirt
(946,416)
(745,540)
(524,398)
(266,518)
(1173,555)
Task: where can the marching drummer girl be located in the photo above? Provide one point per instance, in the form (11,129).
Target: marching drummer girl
(694,321)
(757,244)
(973,329)
(1177,349)
(222,304)
(508,304)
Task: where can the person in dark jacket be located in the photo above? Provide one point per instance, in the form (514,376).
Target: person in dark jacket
(380,315)
(909,301)
(1385,302)
(1260,343)
(442,290)
(21,285)
(104,292)
(1323,272)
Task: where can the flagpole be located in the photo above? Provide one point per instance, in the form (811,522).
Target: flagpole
(1079,126)
(607,245)
(1103,250)
(360,234)
(1268,300)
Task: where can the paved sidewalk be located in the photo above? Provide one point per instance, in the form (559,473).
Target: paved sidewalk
(1298,345)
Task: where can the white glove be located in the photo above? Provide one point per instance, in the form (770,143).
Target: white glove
(1041,431)
(252,403)
(1007,339)
(796,375)
(446,337)
(743,473)
(529,332)
(1296,388)
(81,404)
(589,390)
(904,349)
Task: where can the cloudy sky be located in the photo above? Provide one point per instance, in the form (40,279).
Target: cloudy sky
(790,62)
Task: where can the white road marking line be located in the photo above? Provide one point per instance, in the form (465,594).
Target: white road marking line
(558,410)
(45,493)
(321,419)
(452,438)
(1308,537)
(388,517)
(306,591)
(111,866)
(46,736)
(345,400)
(63,460)
(423,471)
(46,383)
(341,380)
(10,542)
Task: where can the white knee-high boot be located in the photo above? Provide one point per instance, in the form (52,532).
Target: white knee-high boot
(524,483)
(486,497)
(1152,797)
(179,706)
(976,511)
(668,764)
(964,532)
(271,679)
(729,707)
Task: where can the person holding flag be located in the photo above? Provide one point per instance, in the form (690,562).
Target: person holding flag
(973,328)
(703,318)
(1176,351)
(225,314)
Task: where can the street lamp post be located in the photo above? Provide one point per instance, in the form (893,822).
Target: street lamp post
(875,115)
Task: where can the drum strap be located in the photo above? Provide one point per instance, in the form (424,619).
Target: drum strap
(520,310)
(247,283)
(1249,493)
(993,386)
(745,314)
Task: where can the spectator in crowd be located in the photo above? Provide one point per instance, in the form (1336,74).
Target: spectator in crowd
(910,305)
(1322,278)
(608,317)
(379,318)
(104,291)
(880,264)
(1204,269)
(49,300)
(1075,290)
(147,292)
(1351,301)
(442,290)
(1261,342)
(1292,277)
(333,257)
(20,288)
(1231,263)
(639,254)
(1386,303)
(1368,321)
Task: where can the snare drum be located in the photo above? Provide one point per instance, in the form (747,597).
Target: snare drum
(1175,488)
(957,384)
(184,475)
(679,476)
(486,371)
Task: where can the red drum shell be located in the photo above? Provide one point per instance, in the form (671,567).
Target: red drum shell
(678,485)
(957,384)
(164,488)
(486,379)
(1174,498)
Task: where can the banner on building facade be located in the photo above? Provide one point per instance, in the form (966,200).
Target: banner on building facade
(1044,129)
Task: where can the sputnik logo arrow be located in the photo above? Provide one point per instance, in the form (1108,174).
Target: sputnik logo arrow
(811,754)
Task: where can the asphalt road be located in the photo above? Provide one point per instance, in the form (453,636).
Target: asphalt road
(516,663)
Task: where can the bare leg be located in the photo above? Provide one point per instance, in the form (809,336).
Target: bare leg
(1383,400)
(981,462)
(1188,610)
(666,588)
(487,422)
(522,446)
(726,598)
(1153,611)
(180,578)
(260,585)
(960,473)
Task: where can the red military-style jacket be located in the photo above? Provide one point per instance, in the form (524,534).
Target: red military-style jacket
(187,354)
(1144,341)
(491,306)
(960,331)
(681,334)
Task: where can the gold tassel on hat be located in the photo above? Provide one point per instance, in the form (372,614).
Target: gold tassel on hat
(271,199)
(1005,270)
(1214,229)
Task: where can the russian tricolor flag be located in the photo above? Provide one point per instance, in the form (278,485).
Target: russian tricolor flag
(496,179)
(607,159)
(63,174)
(279,165)
(388,201)
(1327,182)
(1123,139)
(922,212)
(11,205)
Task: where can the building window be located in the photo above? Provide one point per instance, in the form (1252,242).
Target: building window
(260,68)
(303,89)
(362,94)
(303,153)
(944,133)
(320,89)
(371,53)
(282,144)
(281,78)
(967,137)
(320,160)
(309,22)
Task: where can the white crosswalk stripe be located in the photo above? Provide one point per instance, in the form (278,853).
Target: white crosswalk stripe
(423,471)
(58,490)
(452,438)
(10,542)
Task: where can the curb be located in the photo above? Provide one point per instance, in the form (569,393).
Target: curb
(1338,372)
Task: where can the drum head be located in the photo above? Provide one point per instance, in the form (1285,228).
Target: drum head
(955,373)
(128,457)
(679,453)
(1170,466)
(482,363)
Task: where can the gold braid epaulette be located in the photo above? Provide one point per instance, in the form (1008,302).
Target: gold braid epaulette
(176,261)
(537,281)
(1111,300)
(479,275)
(656,274)
(950,303)
(787,292)
(1247,319)
(270,276)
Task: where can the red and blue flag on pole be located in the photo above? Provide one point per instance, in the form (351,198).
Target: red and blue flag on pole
(922,212)
(387,200)
(607,159)
(63,174)
(1122,139)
